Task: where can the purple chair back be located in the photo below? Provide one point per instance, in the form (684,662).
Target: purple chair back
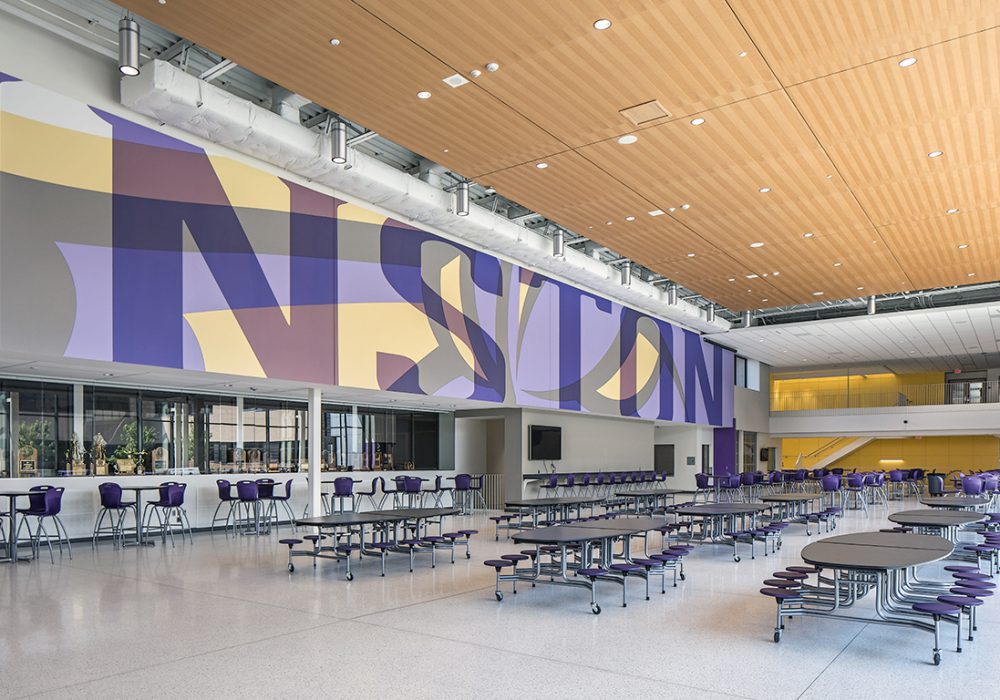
(600,478)
(247,490)
(51,497)
(288,487)
(553,480)
(111,495)
(896,476)
(411,484)
(748,479)
(972,485)
(990,483)
(343,486)
(570,480)
(856,480)
(175,494)
(265,488)
(225,489)
(830,482)
(701,480)
(774,478)
(463,481)
(36,498)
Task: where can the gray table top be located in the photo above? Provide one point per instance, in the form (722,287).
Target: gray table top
(791,497)
(546,502)
(938,518)
(652,492)
(710,509)
(565,534)
(633,524)
(955,502)
(347,519)
(418,513)
(879,551)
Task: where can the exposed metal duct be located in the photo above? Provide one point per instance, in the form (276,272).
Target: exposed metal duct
(747,318)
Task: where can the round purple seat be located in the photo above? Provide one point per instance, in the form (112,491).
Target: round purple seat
(649,563)
(790,575)
(936,608)
(960,600)
(468,533)
(955,568)
(625,568)
(381,545)
(347,547)
(433,538)
(529,553)
(290,542)
(514,557)
(971,576)
(781,583)
(314,538)
(971,592)
(665,558)
(802,569)
(591,573)
(780,593)
(974,583)
(498,563)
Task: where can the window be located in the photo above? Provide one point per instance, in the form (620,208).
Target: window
(741,371)
(747,373)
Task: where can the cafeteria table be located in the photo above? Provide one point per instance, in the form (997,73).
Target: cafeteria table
(554,508)
(140,531)
(795,507)
(945,523)
(719,518)
(582,537)
(648,500)
(339,525)
(851,566)
(12,497)
(955,502)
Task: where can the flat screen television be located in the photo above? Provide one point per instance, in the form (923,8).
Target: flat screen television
(544,442)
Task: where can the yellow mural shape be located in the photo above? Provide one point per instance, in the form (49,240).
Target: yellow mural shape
(646,357)
(49,153)
(451,292)
(352,212)
(224,346)
(366,329)
(250,187)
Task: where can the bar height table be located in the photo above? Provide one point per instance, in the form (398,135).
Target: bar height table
(12,497)
(140,531)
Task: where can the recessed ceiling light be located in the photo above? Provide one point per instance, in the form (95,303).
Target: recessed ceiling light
(971,274)
(424,95)
(697,121)
(109,374)
(602,24)
(492,67)
(764,190)
(333,42)
(742,54)
(475,72)
(656,212)
(764,299)
(690,255)
(952,211)
(627,139)
(751,277)
(861,289)
(817,294)
(907,62)
(808,234)
(963,246)
(608,223)
(935,154)
(837,264)
(757,244)
(732,279)
(629,218)
(541,166)
(685,206)
(765,274)
(672,209)
(775,273)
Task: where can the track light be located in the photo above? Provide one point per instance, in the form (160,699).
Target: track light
(462,199)
(128,46)
(672,295)
(559,244)
(747,318)
(626,274)
(710,313)
(338,143)
(871,305)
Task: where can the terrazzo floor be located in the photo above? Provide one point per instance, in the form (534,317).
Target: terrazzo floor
(223,618)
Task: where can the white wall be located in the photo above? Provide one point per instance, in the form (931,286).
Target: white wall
(752,410)
(471,445)
(687,441)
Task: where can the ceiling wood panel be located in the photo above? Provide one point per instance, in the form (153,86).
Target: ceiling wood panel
(838,131)
(372,78)
(573,80)
(805,39)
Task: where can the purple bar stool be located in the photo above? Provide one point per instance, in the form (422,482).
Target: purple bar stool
(44,502)
(343,487)
(112,506)
(225,498)
(273,499)
(249,504)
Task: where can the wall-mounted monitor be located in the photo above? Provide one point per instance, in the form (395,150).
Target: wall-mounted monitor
(544,442)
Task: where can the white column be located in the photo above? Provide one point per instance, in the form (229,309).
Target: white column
(78,411)
(239,422)
(315,450)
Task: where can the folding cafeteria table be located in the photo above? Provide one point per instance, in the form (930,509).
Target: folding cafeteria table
(583,538)
(719,518)
(648,500)
(883,563)
(945,523)
(795,507)
(955,502)
(554,508)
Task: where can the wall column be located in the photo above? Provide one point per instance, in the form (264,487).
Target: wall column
(315,450)
(78,411)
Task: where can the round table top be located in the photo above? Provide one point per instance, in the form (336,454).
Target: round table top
(546,502)
(936,518)
(791,497)
(718,509)
(879,551)
(955,501)
(651,492)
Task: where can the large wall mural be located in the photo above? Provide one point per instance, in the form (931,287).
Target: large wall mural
(118,242)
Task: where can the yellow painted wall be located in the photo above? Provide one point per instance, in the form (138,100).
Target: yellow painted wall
(944,453)
(811,449)
(832,392)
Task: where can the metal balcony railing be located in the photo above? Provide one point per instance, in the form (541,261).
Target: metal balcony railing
(951,393)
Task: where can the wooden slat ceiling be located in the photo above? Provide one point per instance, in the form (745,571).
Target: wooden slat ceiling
(804,97)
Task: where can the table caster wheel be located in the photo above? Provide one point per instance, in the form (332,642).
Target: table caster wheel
(291,568)
(596,609)
(736,559)
(777,637)
(937,659)
(350,576)
(683,577)
(468,556)
(499,596)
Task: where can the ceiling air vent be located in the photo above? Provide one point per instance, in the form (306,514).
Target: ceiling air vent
(644,113)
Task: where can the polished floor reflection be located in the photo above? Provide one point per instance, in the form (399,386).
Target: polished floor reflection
(223,618)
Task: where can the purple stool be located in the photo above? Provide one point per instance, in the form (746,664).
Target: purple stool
(937,611)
